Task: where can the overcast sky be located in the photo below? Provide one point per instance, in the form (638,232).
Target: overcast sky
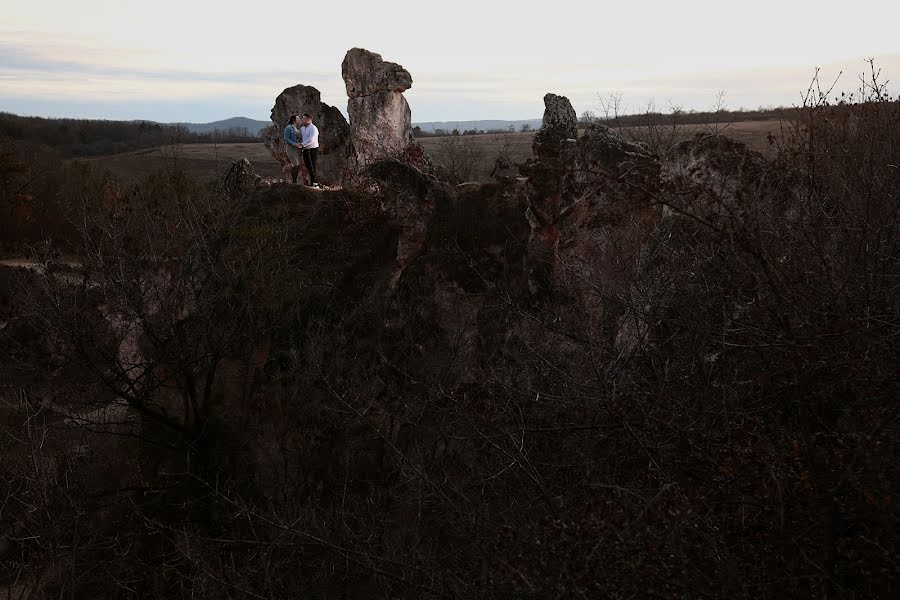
(193,60)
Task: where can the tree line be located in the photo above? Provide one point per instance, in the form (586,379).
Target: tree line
(92,137)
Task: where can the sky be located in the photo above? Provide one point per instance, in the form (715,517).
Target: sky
(201,61)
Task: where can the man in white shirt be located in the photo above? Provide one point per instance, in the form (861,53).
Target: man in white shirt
(309,142)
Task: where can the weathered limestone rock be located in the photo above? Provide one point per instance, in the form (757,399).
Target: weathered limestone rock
(560,123)
(611,220)
(609,208)
(725,177)
(334,131)
(591,207)
(544,187)
(713,191)
(380,118)
(240,179)
(412,196)
(559,130)
(366,73)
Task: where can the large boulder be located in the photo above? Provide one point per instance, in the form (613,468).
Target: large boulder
(380,117)
(716,194)
(334,131)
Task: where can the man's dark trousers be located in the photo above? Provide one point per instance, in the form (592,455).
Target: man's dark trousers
(310,156)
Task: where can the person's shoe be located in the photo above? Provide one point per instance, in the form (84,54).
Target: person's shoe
(316,185)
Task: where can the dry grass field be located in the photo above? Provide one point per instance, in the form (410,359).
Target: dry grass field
(201,160)
(211,161)
(488,146)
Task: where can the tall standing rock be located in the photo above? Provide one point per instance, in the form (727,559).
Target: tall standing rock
(380,118)
(334,131)
(559,128)
(560,123)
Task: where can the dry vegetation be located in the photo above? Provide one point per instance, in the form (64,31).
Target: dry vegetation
(205,161)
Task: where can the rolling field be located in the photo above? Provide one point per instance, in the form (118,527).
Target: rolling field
(212,161)
(488,146)
(201,160)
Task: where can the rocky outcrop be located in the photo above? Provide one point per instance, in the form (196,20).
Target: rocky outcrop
(591,219)
(725,178)
(622,224)
(544,187)
(560,123)
(334,131)
(410,196)
(380,117)
(591,207)
(608,210)
(240,179)
(558,130)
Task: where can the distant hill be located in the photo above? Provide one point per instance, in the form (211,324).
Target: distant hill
(251,125)
(431,126)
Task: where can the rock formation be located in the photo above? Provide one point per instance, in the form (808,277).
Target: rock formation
(609,217)
(240,179)
(595,206)
(544,186)
(380,118)
(560,123)
(334,132)
(726,178)
(411,198)
(591,206)
(609,209)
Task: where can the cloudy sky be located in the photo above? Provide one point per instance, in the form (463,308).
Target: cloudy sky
(193,60)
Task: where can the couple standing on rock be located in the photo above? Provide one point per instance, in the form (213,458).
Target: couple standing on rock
(308,144)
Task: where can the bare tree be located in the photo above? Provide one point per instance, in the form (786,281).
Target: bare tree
(458,159)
